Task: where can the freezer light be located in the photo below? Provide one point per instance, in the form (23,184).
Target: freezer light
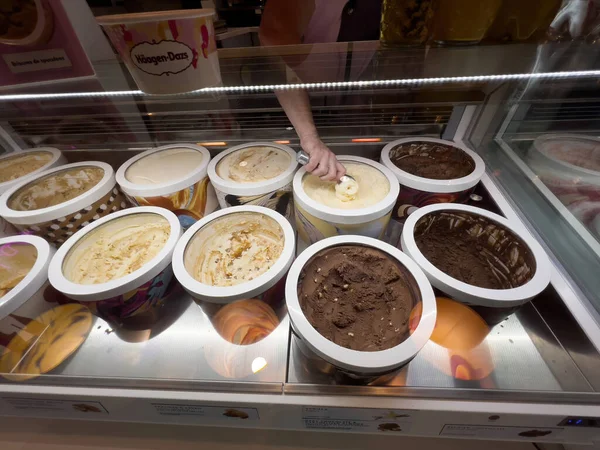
(317,86)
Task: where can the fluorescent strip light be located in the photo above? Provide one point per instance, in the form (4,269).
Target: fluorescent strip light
(317,86)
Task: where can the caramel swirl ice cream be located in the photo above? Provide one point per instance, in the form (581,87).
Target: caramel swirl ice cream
(234,249)
(165,166)
(117,248)
(16,260)
(20,165)
(369,188)
(253,164)
(56,188)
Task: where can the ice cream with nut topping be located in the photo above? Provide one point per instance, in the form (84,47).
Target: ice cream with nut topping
(253,164)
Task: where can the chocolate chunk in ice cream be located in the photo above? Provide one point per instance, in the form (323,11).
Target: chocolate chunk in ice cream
(432,160)
(357,297)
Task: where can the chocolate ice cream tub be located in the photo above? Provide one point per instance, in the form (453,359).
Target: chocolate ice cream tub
(120,265)
(58,202)
(24,262)
(236,254)
(350,300)
(569,165)
(257,173)
(477,257)
(174,177)
(19,166)
(320,215)
(431,171)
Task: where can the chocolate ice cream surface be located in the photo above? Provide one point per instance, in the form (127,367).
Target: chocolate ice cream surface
(474,250)
(358,297)
(432,160)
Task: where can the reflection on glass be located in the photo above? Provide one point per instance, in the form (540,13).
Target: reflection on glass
(258,364)
(462,332)
(45,342)
(463,21)
(405,22)
(518,20)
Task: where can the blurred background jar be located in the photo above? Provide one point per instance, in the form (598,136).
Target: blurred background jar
(406,22)
(519,20)
(464,21)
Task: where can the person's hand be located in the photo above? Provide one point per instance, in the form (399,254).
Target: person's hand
(573,16)
(323,162)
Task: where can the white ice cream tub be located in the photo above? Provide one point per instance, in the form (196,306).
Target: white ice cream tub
(266,286)
(361,364)
(26,300)
(167,52)
(315,221)
(515,263)
(57,223)
(57,160)
(275,193)
(190,197)
(131,295)
(569,165)
(418,191)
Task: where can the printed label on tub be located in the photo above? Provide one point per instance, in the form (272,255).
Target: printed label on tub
(162,58)
(213,412)
(51,406)
(499,432)
(354,419)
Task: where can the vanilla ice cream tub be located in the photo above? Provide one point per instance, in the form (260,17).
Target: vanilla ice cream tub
(257,173)
(325,209)
(57,202)
(238,253)
(167,52)
(119,266)
(172,177)
(24,262)
(18,166)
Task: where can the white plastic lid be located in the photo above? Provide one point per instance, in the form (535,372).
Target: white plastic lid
(259,188)
(153,190)
(119,286)
(34,280)
(249,289)
(348,216)
(154,16)
(354,360)
(466,292)
(56,155)
(106,184)
(541,142)
(431,185)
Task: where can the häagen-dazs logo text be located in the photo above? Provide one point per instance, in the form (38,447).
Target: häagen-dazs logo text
(162,58)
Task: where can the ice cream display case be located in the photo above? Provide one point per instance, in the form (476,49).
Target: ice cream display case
(195,274)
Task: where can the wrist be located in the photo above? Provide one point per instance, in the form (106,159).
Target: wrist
(310,142)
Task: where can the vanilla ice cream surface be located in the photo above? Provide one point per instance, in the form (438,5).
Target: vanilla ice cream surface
(234,249)
(116,248)
(371,187)
(254,164)
(166,166)
(16,260)
(54,189)
(20,165)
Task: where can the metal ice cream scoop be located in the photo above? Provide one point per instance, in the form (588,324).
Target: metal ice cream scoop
(303,159)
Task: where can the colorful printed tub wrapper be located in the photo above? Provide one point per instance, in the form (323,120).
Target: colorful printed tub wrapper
(409,200)
(135,302)
(169,56)
(189,205)
(39,303)
(312,229)
(57,231)
(281,200)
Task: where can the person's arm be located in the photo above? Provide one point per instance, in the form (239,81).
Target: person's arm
(284,23)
